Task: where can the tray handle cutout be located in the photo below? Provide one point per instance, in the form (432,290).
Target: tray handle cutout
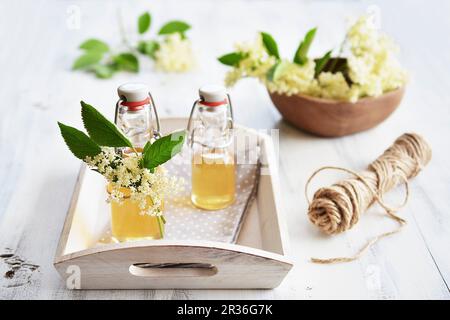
(158,270)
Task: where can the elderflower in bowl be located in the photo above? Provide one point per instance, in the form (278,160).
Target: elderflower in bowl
(136,180)
(330,95)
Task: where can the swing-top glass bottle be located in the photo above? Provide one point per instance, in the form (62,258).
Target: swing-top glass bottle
(134,116)
(210,136)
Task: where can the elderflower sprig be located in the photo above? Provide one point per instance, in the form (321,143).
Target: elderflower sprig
(175,54)
(139,177)
(170,49)
(369,70)
(128,179)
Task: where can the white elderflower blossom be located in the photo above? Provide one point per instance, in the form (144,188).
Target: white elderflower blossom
(331,86)
(256,62)
(128,180)
(175,54)
(293,79)
(372,68)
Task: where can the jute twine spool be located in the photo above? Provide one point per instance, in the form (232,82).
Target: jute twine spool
(337,208)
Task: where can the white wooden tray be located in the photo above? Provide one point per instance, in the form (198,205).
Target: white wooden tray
(257,260)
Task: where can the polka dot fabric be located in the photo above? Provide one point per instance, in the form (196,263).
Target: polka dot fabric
(187,222)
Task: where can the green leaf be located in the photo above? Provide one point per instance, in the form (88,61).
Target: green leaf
(87,60)
(144,22)
(174,26)
(101,130)
(231,59)
(144,151)
(78,142)
(301,55)
(148,47)
(321,63)
(103,71)
(274,73)
(163,149)
(127,62)
(94,45)
(141,46)
(151,47)
(270,45)
(146,147)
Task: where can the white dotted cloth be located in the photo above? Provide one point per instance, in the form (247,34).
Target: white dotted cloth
(187,222)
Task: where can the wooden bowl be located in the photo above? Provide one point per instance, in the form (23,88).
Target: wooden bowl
(331,118)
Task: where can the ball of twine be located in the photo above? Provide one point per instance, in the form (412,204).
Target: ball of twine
(337,208)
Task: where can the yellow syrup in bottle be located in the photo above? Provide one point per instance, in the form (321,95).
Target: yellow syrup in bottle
(213,179)
(127,222)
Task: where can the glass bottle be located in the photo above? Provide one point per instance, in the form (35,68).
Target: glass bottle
(210,131)
(134,114)
(127,224)
(134,117)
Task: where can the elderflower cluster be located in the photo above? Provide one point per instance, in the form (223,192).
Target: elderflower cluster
(175,54)
(128,180)
(256,62)
(293,79)
(372,68)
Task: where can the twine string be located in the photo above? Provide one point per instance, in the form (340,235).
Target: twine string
(337,208)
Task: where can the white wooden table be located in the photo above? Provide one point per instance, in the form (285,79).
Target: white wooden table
(37,173)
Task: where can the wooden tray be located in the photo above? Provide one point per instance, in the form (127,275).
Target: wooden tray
(257,260)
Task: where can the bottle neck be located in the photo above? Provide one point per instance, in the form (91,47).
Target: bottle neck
(136,105)
(214,104)
(214,130)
